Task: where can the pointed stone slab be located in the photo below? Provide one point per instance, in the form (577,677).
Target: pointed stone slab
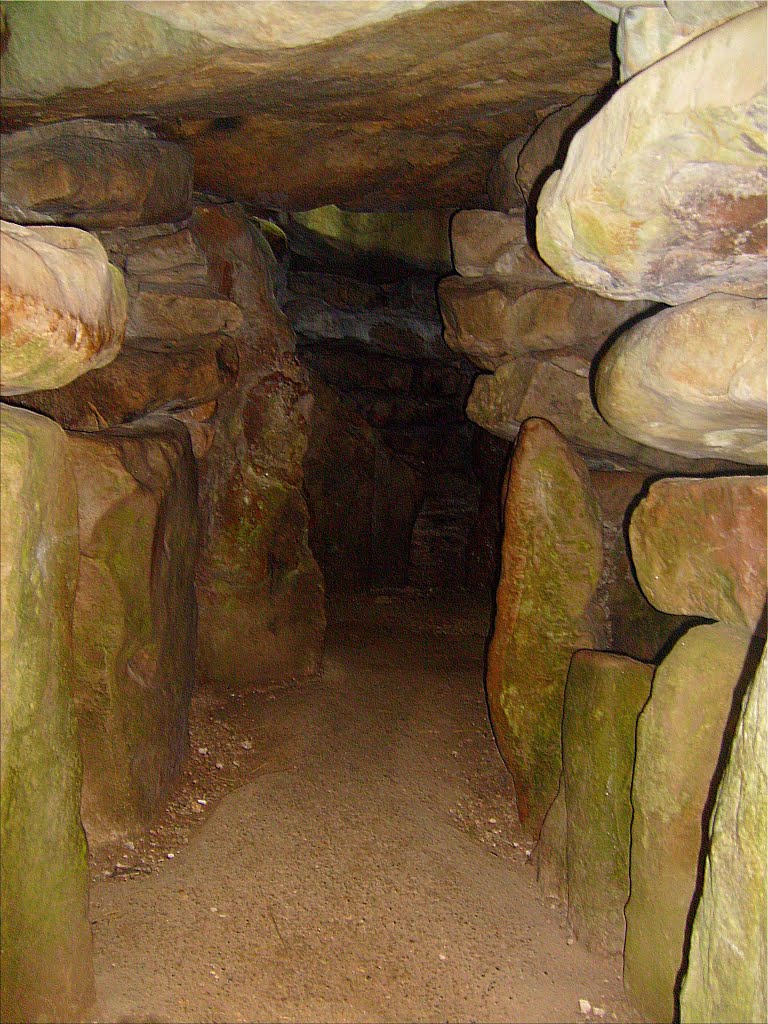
(551,564)
(680,735)
(699,547)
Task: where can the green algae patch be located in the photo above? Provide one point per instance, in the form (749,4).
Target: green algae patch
(46,970)
(604,696)
(680,735)
(551,565)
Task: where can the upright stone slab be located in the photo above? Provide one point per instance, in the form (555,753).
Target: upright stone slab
(728,962)
(699,547)
(46,970)
(604,696)
(680,736)
(135,616)
(551,564)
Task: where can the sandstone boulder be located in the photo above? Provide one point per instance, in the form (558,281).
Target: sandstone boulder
(63,307)
(699,548)
(692,380)
(92,174)
(134,619)
(546,146)
(45,954)
(726,977)
(170,319)
(604,695)
(663,193)
(680,735)
(551,565)
(501,185)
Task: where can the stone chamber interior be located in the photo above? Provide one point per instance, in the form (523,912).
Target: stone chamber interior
(383,448)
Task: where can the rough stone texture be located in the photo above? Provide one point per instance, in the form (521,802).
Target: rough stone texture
(169,319)
(62,307)
(726,979)
(260,592)
(486,243)
(501,185)
(137,383)
(692,380)
(680,735)
(551,849)
(635,627)
(47,972)
(135,617)
(545,148)
(363,81)
(699,548)
(604,695)
(649,32)
(362,499)
(551,565)
(541,387)
(491,320)
(663,193)
(89,174)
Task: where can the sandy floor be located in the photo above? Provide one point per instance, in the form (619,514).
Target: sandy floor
(345,850)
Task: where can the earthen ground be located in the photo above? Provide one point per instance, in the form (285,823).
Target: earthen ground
(346,850)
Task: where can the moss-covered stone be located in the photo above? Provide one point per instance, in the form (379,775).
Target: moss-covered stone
(699,547)
(46,971)
(604,696)
(551,564)
(728,962)
(134,616)
(680,735)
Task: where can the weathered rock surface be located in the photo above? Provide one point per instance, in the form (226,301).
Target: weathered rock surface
(260,592)
(63,307)
(527,387)
(47,972)
(134,618)
(551,565)
(650,31)
(485,243)
(699,548)
(501,184)
(91,174)
(491,320)
(360,521)
(680,735)
(604,695)
(137,383)
(545,148)
(170,319)
(347,135)
(692,380)
(663,193)
(726,977)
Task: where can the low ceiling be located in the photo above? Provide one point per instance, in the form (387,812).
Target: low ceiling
(381,105)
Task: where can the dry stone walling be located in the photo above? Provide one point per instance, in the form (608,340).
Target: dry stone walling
(660,199)
(166,517)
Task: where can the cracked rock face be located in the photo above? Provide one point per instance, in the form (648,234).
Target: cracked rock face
(379,115)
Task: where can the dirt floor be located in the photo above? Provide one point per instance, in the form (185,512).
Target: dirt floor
(345,850)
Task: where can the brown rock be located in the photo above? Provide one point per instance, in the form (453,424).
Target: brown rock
(134,617)
(137,383)
(490,244)
(346,136)
(166,319)
(501,185)
(91,174)
(551,566)
(63,307)
(699,548)
(545,148)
